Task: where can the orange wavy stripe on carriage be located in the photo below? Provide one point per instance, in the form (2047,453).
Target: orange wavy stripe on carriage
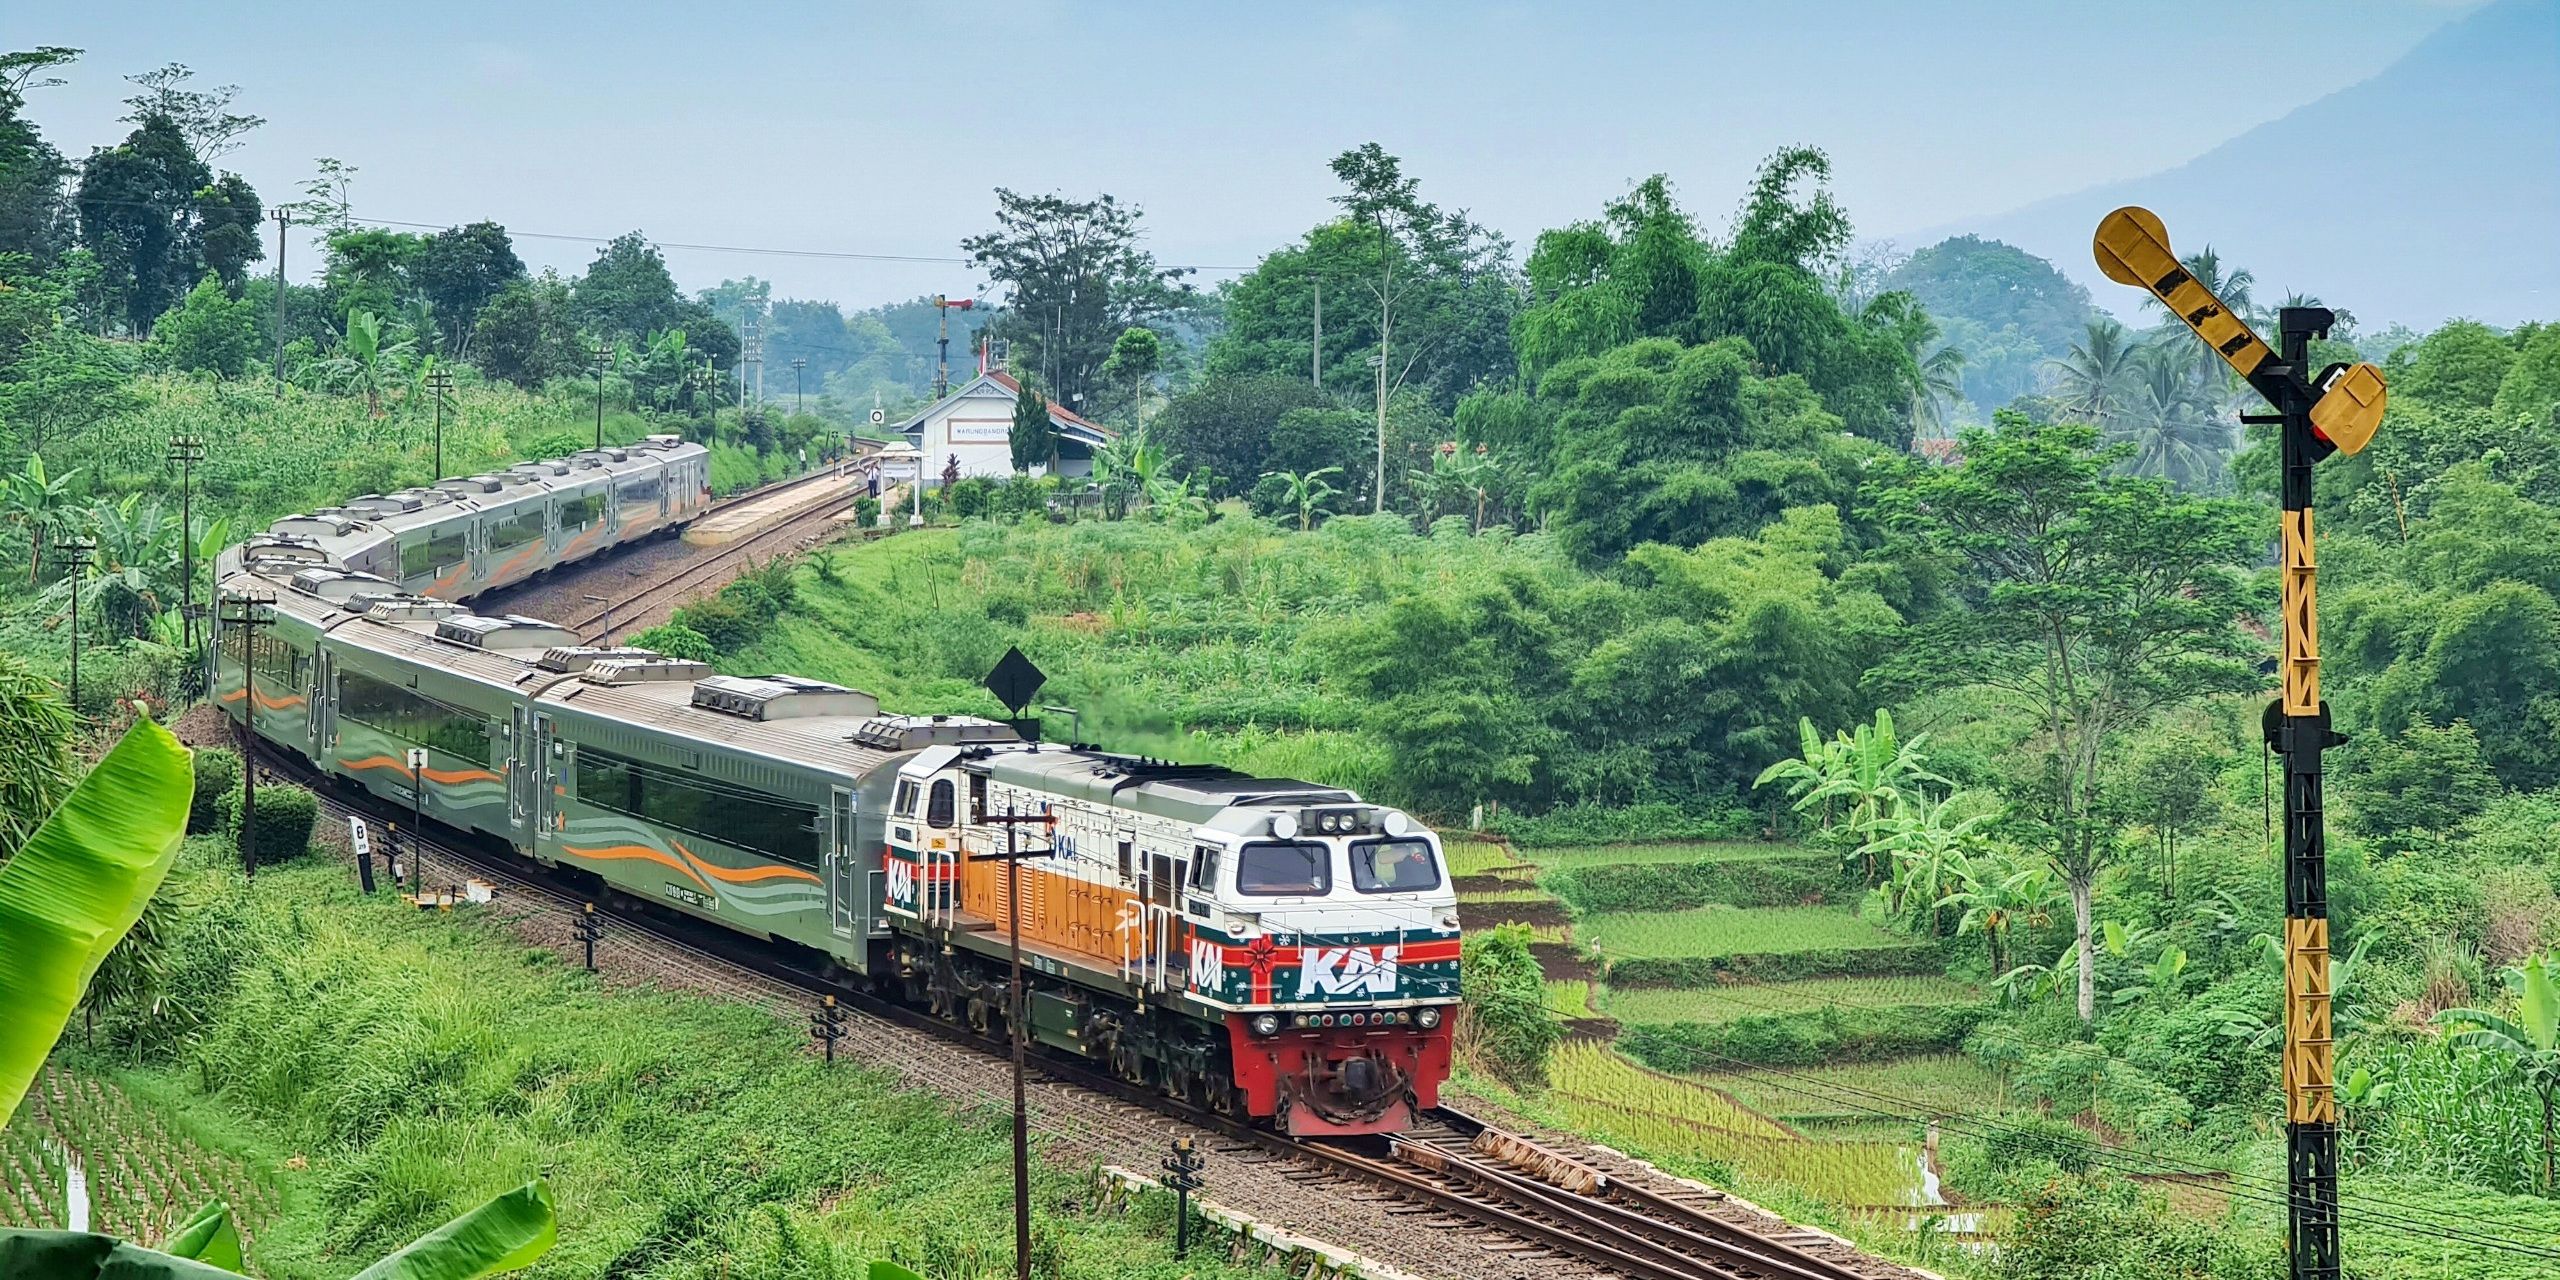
(512,561)
(460,572)
(742,875)
(640,852)
(449,777)
(271,704)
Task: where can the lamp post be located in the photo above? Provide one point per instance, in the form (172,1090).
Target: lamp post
(185,451)
(75,553)
(439,385)
(604,360)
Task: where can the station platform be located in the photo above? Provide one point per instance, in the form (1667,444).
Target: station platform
(750,518)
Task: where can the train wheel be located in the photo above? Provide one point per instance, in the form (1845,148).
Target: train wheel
(1224,1097)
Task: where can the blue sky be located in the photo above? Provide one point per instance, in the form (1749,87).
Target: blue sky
(882,128)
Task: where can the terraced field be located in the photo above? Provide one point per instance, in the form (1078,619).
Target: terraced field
(1941,1084)
(1724,931)
(1617,855)
(1755,999)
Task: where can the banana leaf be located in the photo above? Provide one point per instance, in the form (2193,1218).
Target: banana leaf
(70,893)
(81,1255)
(505,1234)
(209,1237)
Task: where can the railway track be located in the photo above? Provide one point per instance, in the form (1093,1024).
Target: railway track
(659,595)
(1510,1195)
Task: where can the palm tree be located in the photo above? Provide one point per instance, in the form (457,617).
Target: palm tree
(2094,377)
(2528,1043)
(1937,374)
(2172,426)
(33,501)
(1307,491)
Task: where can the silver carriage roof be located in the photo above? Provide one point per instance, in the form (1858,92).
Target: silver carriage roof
(339,534)
(1193,793)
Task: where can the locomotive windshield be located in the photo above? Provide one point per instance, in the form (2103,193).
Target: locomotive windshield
(1273,869)
(1393,866)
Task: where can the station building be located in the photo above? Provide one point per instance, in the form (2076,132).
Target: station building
(975,425)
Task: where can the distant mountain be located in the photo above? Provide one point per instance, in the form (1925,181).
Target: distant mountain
(2430,191)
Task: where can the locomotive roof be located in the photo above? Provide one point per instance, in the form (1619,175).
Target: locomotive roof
(1184,792)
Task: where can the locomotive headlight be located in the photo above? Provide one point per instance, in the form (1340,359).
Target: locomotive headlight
(1265,1024)
(1429,1017)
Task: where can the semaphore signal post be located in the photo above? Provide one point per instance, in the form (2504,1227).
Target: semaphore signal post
(2335,411)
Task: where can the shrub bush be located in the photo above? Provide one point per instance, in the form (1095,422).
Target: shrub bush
(286,816)
(1585,824)
(1508,1030)
(675,640)
(217,772)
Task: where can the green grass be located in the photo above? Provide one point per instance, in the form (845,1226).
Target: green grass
(1525,893)
(1723,931)
(1745,1000)
(147,1170)
(1930,1084)
(422,1062)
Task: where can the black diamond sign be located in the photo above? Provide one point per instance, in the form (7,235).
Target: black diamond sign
(1015,682)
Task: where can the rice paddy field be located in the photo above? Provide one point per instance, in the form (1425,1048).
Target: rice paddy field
(1570,998)
(1567,857)
(1941,1083)
(145,1175)
(1604,1094)
(1476,857)
(1753,999)
(1725,931)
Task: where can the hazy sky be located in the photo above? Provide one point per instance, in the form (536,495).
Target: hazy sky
(881,129)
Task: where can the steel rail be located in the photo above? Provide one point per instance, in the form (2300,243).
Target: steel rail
(1655,1239)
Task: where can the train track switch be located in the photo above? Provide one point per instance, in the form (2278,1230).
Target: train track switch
(1182,1173)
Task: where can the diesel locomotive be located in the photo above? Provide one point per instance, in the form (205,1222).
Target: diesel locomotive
(1264,947)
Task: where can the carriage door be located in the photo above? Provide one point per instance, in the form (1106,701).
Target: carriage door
(316,700)
(1162,893)
(524,772)
(546,776)
(847,890)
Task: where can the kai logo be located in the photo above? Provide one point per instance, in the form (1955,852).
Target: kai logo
(1343,971)
(1208,964)
(902,881)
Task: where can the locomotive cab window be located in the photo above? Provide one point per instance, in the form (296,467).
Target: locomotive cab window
(938,809)
(1393,866)
(1284,868)
(905,805)
(1204,867)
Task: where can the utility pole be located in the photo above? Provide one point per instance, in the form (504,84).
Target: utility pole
(1017,1012)
(185,451)
(74,554)
(798,363)
(439,385)
(1315,349)
(753,354)
(2335,411)
(283,218)
(604,358)
(251,612)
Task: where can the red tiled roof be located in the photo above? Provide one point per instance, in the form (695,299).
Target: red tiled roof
(1056,410)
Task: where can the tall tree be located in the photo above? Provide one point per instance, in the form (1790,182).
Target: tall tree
(2095,378)
(203,116)
(458,270)
(1380,198)
(2092,602)
(33,218)
(1034,440)
(1079,280)
(135,201)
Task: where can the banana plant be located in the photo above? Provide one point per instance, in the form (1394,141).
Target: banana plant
(34,501)
(77,885)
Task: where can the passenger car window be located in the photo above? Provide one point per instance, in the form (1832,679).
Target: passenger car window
(937,810)
(1273,868)
(1393,866)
